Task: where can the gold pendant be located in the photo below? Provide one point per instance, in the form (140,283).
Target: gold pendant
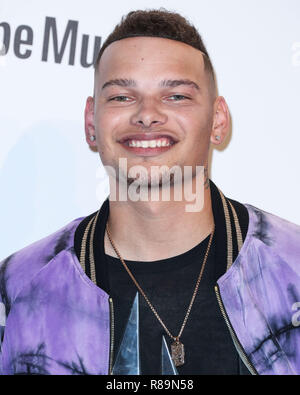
(177,353)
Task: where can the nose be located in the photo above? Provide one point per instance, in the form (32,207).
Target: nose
(148,115)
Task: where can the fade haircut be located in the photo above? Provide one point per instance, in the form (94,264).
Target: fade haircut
(160,23)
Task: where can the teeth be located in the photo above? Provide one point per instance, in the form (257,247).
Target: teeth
(149,143)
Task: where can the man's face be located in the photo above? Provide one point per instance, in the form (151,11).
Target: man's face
(152,105)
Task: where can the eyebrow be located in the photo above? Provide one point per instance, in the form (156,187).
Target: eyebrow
(125,83)
(174,83)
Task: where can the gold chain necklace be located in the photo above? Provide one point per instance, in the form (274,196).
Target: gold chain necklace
(177,347)
(226,204)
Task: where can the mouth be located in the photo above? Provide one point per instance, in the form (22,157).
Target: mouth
(148,144)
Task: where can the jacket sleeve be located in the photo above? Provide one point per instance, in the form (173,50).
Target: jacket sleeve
(2,329)
(4,308)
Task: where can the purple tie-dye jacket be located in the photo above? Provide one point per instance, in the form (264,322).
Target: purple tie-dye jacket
(54,320)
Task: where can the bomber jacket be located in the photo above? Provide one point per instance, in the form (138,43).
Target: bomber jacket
(55,320)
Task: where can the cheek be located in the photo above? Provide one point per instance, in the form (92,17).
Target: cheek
(196,128)
(107,123)
(195,124)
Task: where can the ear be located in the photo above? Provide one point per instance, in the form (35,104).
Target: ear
(89,124)
(221,121)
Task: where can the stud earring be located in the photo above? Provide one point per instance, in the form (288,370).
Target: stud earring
(92,138)
(218,138)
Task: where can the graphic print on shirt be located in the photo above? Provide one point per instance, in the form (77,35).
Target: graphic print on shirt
(128,357)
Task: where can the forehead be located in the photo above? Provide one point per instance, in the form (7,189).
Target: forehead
(150,56)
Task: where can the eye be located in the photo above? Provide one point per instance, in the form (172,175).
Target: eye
(119,98)
(178,97)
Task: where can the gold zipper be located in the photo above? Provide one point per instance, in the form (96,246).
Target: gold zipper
(235,339)
(112,334)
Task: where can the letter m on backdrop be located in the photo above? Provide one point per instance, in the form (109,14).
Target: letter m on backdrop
(51,32)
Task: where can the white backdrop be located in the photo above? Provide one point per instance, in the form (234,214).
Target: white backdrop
(48,175)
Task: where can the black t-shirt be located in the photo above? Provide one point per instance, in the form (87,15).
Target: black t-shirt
(169,285)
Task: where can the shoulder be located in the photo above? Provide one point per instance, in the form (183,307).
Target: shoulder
(282,236)
(20,267)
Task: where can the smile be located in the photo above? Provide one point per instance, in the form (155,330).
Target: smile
(162,142)
(148,144)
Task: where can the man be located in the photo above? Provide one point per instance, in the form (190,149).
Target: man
(218,285)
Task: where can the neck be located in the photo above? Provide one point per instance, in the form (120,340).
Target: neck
(149,231)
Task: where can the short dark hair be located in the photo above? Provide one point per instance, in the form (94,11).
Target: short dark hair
(158,23)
